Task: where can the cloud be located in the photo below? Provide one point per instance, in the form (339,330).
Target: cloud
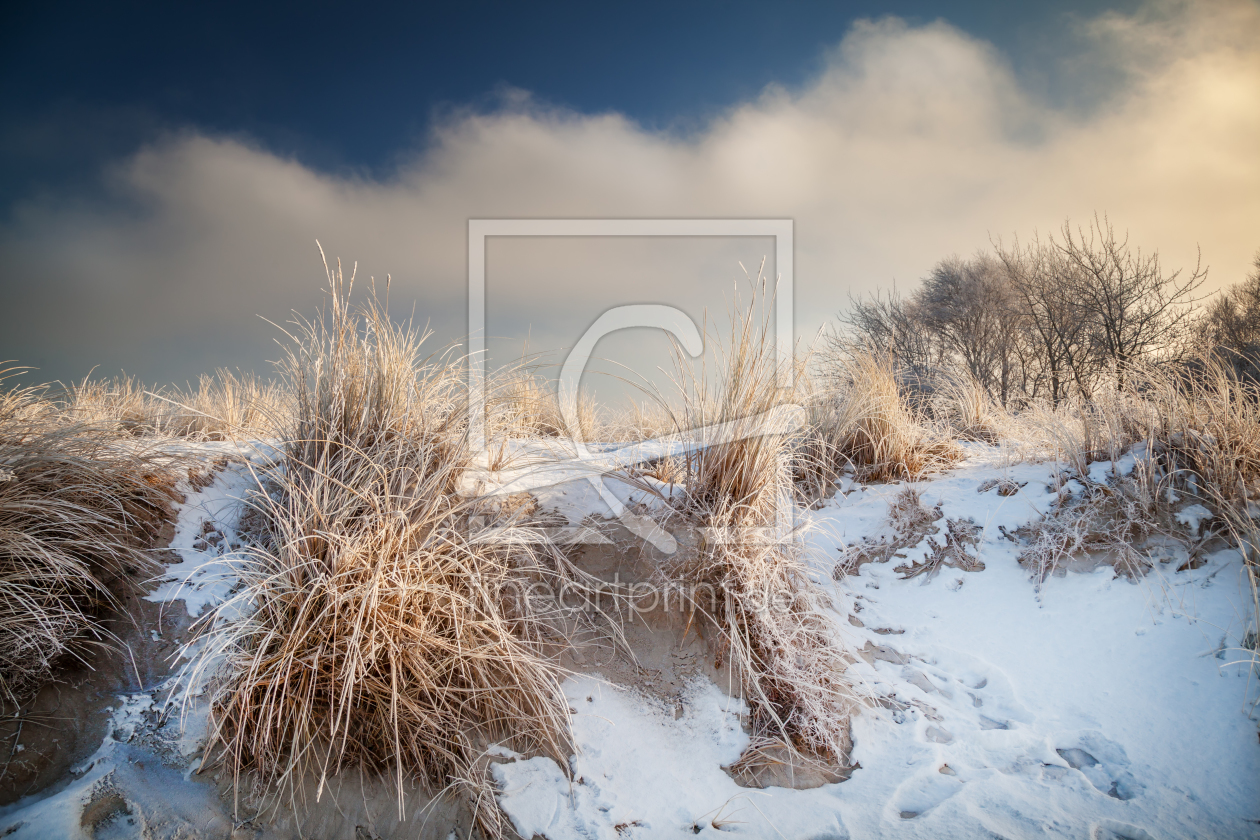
(913,143)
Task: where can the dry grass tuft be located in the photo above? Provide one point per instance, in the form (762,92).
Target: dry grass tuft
(967,409)
(909,522)
(775,631)
(862,422)
(225,405)
(1079,431)
(1205,438)
(1107,522)
(1197,430)
(121,402)
(959,551)
(522,405)
(78,509)
(1204,430)
(1193,432)
(380,623)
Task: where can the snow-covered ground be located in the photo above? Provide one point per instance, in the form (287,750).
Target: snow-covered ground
(1091,707)
(1096,707)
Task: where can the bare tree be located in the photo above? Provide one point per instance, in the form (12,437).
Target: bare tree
(971,306)
(1232,322)
(1053,317)
(1134,308)
(894,326)
(1040,278)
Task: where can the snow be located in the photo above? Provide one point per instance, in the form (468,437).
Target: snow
(1088,707)
(639,767)
(205,576)
(1094,707)
(541,463)
(1100,665)
(1192,515)
(54,814)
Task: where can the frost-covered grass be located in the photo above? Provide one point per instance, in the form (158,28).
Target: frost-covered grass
(773,624)
(1103,705)
(377,624)
(79,508)
(222,406)
(861,421)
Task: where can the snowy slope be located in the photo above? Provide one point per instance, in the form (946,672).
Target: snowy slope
(1091,708)
(1096,708)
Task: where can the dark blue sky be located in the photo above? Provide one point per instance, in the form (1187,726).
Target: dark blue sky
(346,86)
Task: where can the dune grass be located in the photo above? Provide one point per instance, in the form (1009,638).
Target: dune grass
(861,421)
(522,405)
(79,508)
(223,405)
(381,621)
(774,630)
(1193,431)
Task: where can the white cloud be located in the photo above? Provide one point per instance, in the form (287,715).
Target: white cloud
(913,143)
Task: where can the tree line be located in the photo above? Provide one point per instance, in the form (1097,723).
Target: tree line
(1055,317)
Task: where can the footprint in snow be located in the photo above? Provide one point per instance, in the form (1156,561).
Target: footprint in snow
(1101,761)
(920,794)
(968,690)
(1115,830)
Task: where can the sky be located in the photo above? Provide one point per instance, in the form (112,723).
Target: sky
(165,171)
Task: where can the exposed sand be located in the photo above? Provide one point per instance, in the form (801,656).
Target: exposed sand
(152,788)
